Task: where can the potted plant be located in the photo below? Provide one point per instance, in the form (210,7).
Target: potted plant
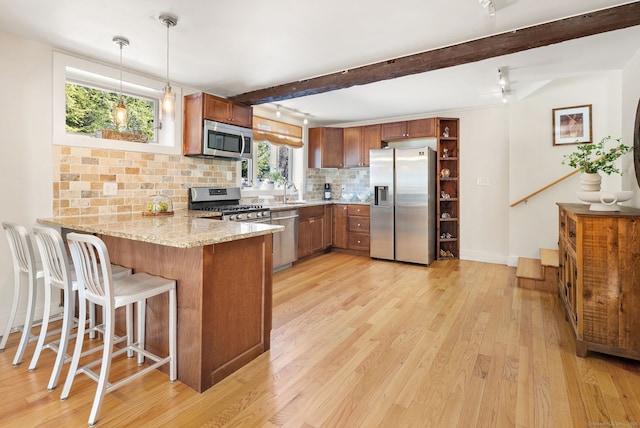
(592,158)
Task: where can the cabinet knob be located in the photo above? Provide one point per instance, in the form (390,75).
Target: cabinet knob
(358,224)
(358,242)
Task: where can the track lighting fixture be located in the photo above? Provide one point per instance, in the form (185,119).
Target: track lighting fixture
(489,6)
(278,114)
(502,83)
(120,111)
(169,98)
(306,119)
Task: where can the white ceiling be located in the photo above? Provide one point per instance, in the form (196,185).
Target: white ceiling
(228,48)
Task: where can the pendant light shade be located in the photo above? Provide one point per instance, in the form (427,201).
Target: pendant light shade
(169,98)
(120,111)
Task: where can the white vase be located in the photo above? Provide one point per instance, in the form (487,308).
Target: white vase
(590,182)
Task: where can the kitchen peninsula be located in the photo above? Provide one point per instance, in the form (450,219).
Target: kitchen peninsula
(223,273)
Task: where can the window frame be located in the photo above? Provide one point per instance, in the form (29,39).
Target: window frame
(78,70)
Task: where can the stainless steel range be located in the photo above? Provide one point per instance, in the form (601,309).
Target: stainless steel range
(225,201)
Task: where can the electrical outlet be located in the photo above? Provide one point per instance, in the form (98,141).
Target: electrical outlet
(482,181)
(110,188)
(229,176)
(309,187)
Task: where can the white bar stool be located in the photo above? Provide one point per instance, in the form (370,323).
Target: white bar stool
(58,273)
(24,264)
(96,285)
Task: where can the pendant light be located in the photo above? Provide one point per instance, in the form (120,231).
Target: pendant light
(120,111)
(169,98)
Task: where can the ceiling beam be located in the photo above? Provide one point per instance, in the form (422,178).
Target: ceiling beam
(517,40)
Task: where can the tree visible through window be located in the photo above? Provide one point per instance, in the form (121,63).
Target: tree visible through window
(90,111)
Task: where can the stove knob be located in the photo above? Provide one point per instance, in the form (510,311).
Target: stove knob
(251,215)
(241,216)
(233,217)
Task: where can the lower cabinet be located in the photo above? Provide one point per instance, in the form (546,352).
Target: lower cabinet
(314,229)
(598,279)
(351,227)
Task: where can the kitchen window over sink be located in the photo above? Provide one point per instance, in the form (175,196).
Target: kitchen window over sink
(276,151)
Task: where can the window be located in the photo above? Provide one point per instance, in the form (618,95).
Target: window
(83,97)
(89,110)
(270,164)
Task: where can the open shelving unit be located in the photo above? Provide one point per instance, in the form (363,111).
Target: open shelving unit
(448,170)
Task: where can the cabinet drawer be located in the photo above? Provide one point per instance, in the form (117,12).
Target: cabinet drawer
(362,210)
(359,224)
(359,241)
(308,212)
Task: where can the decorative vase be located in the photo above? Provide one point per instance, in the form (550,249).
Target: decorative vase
(590,182)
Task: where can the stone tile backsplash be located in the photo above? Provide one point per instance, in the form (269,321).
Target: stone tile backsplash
(354,180)
(80,174)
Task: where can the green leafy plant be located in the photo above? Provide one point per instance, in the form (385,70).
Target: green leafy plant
(593,157)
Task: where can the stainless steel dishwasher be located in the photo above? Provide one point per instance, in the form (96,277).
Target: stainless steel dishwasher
(285,243)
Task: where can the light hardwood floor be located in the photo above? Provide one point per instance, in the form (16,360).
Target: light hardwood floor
(363,343)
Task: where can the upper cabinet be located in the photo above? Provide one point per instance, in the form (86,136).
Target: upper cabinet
(358,140)
(420,128)
(325,148)
(201,106)
(222,110)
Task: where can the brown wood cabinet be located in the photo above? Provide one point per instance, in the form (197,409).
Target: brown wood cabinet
(209,346)
(340,231)
(222,110)
(351,227)
(358,140)
(358,225)
(201,106)
(325,148)
(314,229)
(598,278)
(419,128)
(448,189)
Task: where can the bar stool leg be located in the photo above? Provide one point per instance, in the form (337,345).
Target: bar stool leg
(44,327)
(105,367)
(26,332)
(173,327)
(142,316)
(14,309)
(69,299)
(77,351)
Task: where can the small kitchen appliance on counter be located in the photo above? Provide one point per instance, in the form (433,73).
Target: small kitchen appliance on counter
(327,191)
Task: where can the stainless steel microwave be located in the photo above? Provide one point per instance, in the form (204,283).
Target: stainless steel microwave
(228,141)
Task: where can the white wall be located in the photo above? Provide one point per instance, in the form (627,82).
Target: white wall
(630,101)
(534,162)
(26,172)
(484,210)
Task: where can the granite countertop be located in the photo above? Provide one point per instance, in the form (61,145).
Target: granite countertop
(298,204)
(184,229)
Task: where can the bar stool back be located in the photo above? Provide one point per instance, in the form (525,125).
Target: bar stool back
(96,284)
(57,273)
(24,264)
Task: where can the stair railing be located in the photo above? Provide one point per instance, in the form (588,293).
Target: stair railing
(542,189)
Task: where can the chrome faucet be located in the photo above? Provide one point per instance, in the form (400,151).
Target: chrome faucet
(287,184)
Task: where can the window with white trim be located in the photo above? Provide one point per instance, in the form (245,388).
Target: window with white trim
(95,127)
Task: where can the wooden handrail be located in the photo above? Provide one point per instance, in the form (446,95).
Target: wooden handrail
(542,189)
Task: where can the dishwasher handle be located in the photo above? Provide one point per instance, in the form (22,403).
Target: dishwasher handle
(284,218)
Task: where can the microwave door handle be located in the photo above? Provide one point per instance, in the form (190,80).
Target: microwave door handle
(242,137)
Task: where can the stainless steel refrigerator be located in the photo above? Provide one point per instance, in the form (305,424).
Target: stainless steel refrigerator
(403,205)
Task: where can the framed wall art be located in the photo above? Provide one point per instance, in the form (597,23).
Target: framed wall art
(572,125)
